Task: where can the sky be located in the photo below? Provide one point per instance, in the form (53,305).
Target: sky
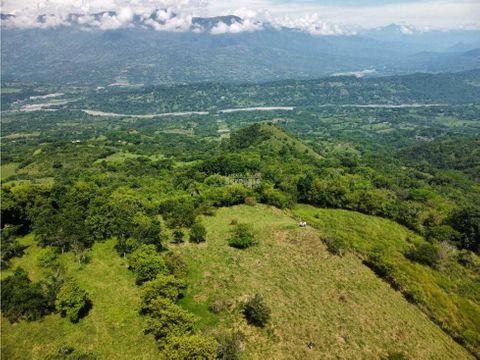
(321,16)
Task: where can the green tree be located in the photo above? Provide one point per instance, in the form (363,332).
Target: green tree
(196,347)
(242,237)
(73,301)
(167,319)
(146,263)
(22,299)
(163,286)
(198,233)
(256,311)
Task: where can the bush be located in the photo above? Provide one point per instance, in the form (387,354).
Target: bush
(70,353)
(146,263)
(256,311)
(250,201)
(22,299)
(167,319)
(48,259)
(242,237)
(426,254)
(336,246)
(175,264)
(190,347)
(164,286)
(10,246)
(230,346)
(72,301)
(178,236)
(198,233)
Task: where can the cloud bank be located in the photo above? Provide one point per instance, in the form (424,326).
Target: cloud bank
(252,15)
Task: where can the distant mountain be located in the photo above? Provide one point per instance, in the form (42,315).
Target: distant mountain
(139,54)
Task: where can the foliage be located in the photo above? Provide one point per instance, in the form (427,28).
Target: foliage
(22,299)
(167,319)
(190,347)
(467,222)
(10,246)
(426,254)
(70,353)
(336,245)
(256,311)
(198,233)
(175,264)
(229,346)
(146,263)
(163,286)
(73,301)
(242,237)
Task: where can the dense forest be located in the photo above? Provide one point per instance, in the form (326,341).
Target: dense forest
(76,180)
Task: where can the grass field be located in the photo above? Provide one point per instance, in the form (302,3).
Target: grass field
(112,329)
(450,295)
(8,170)
(335,302)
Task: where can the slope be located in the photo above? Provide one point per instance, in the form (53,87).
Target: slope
(336,303)
(113,329)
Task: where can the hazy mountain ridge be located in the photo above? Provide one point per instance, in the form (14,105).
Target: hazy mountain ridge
(142,55)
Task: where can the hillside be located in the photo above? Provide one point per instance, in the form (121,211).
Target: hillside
(335,302)
(113,328)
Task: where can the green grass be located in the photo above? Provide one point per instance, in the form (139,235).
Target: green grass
(112,329)
(8,170)
(120,157)
(450,295)
(335,302)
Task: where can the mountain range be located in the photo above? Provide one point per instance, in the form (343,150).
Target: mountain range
(220,49)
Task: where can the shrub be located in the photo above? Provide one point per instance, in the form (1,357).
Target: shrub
(230,346)
(426,254)
(70,353)
(178,236)
(22,299)
(175,264)
(250,201)
(242,237)
(256,311)
(10,246)
(190,347)
(73,301)
(466,258)
(336,246)
(146,263)
(164,286)
(167,319)
(47,258)
(198,233)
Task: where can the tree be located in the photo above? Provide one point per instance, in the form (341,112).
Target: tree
(467,221)
(242,237)
(167,319)
(22,299)
(198,233)
(146,263)
(178,236)
(256,311)
(73,301)
(196,347)
(10,246)
(163,286)
(229,346)
(426,254)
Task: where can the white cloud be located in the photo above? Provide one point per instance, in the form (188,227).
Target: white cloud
(307,15)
